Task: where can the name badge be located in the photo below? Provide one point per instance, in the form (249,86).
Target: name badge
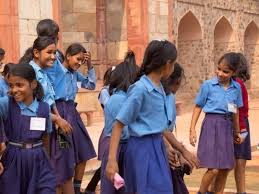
(232,108)
(79,84)
(38,124)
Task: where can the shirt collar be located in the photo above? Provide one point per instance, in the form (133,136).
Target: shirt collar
(150,86)
(233,84)
(33,107)
(35,66)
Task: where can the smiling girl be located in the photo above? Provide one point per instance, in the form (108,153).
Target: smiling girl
(26,121)
(220,98)
(65,78)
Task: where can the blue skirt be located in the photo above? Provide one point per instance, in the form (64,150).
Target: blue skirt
(146,169)
(102,145)
(178,182)
(243,151)
(106,186)
(26,171)
(216,143)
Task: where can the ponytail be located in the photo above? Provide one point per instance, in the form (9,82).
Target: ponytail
(27,57)
(38,91)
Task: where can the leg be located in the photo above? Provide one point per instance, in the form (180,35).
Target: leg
(212,186)
(79,173)
(240,175)
(67,187)
(207,180)
(220,181)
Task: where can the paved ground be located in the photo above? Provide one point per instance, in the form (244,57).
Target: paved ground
(193,181)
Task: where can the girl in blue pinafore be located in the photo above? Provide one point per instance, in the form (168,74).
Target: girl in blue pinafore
(122,77)
(41,56)
(26,118)
(65,78)
(220,98)
(145,112)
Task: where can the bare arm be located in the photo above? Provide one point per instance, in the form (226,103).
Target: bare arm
(181,148)
(195,116)
(112,165)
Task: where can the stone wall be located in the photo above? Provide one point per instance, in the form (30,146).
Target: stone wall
(223,28)
(117,44)
(158,19)
(30,12)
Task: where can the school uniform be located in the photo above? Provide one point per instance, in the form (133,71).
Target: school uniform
(103,98)
(80,145)
(216,143)
(27,168)
(3,87)
(145,112)
(111,110)
(41,76)
(243,150)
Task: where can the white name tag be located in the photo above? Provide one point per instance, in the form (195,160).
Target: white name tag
(232,108)
(79,84)
(38,124)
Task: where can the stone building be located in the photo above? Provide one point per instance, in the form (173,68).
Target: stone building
(202,30)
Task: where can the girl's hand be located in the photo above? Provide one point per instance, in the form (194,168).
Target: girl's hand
(1,168)
(64,125)
(111,169)
(193,137)
(87,59)
(191,159)
(238,139)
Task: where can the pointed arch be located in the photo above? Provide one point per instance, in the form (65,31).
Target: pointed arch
(189,27)
(223,31)
(252,33)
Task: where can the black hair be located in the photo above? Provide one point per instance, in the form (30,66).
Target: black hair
(27,72)
(39,43)
(2,52)
(231,59)
(107,76)
(124,74)
(157,54)
(177,74)
(74,49)
(243,71)
(7,69)
(48,27)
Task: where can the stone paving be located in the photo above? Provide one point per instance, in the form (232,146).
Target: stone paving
(193,180)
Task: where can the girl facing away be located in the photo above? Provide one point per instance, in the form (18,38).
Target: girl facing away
(145,112)
(26,167)
(122,77)
(220,98)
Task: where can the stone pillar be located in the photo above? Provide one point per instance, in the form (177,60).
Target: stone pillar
(137,27)
(9,39)
(170,20)
(101,38)
(208,42)
(56,10)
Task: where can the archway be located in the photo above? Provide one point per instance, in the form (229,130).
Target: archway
(223,39)
(190,49)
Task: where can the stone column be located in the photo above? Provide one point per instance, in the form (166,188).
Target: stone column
(56,9)
(137,26)
(101,38)
(9,39)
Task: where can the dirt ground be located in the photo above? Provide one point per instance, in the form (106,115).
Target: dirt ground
(182,132)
